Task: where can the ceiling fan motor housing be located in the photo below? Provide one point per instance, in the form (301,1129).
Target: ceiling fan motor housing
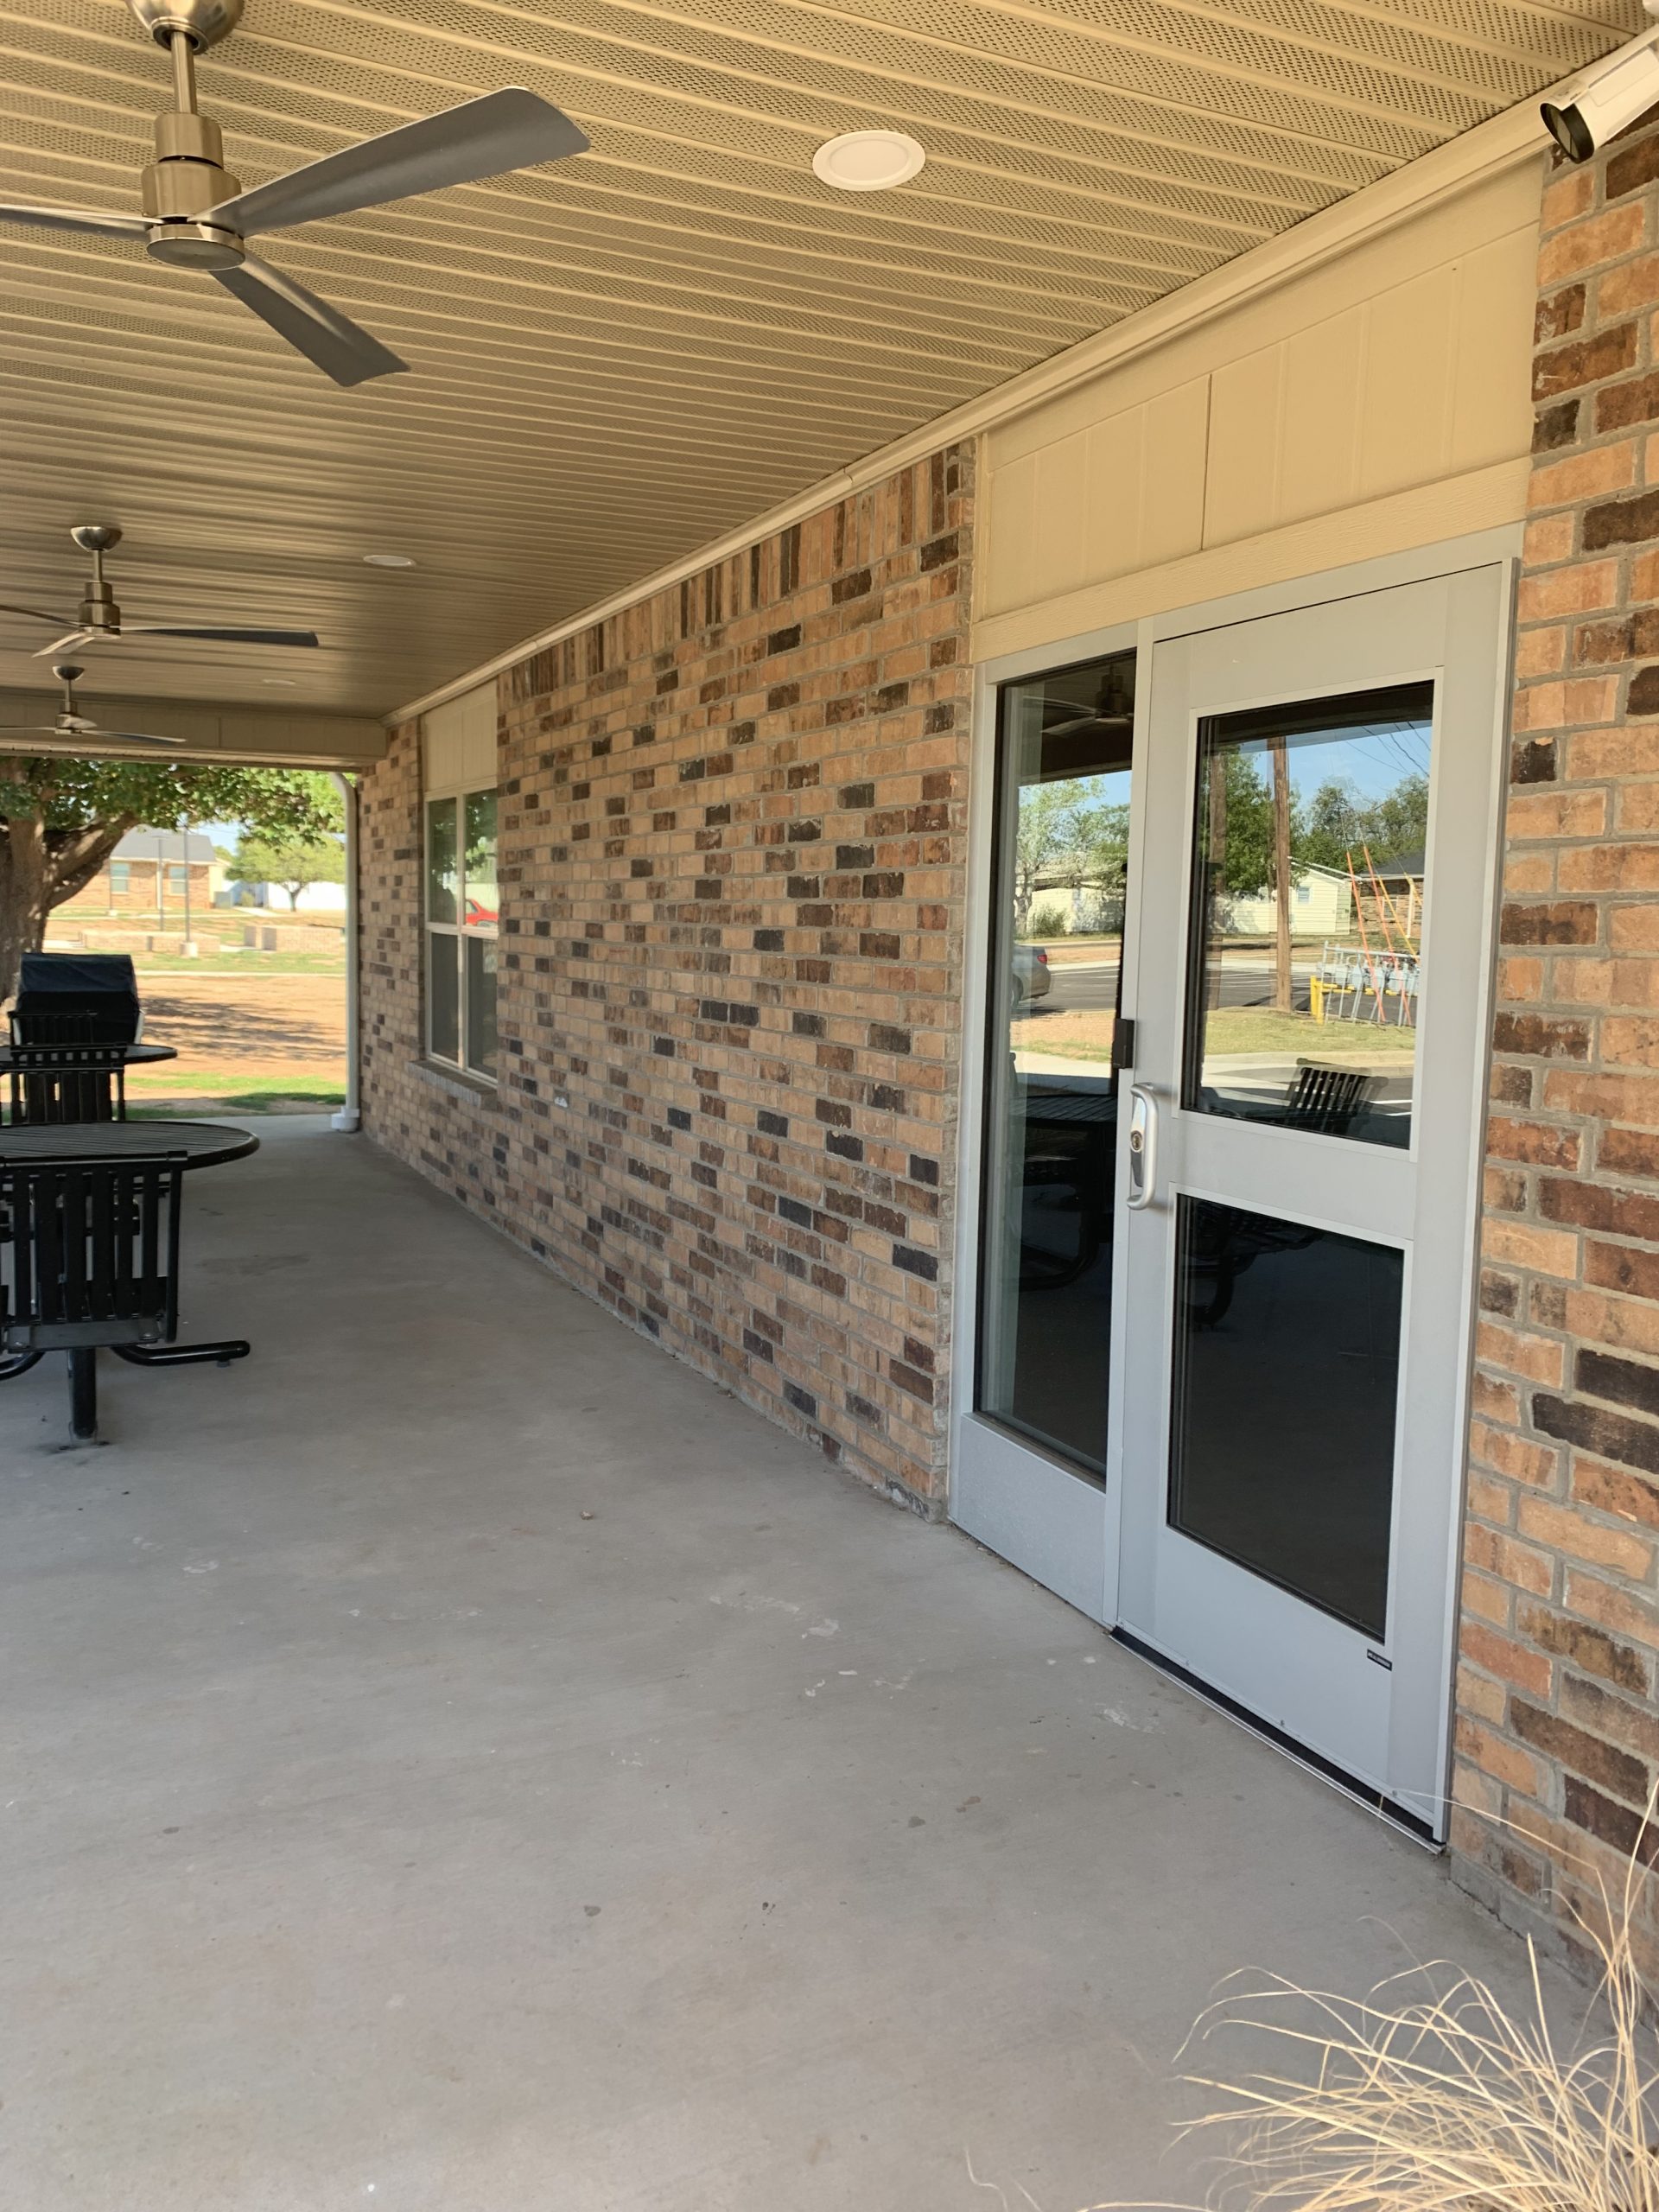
(204,23)
(181,187)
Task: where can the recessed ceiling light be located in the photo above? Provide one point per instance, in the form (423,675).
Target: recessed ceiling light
(388,561)
(868,161)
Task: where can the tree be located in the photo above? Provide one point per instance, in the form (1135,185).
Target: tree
(291,862)
(62,816)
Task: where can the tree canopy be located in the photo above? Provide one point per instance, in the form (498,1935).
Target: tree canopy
(61,816)
(290,862)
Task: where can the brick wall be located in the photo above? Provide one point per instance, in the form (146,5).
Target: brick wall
(1558,1735)
(732,866)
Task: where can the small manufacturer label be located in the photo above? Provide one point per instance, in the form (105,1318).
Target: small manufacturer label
(1377,1660)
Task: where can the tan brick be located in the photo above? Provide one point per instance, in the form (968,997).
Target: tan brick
(1520,1351)
(1541,651)
(1593,238)
(1576,1536)
(1583,588)
(1586,475)
(1509,1660)
(1520,1244)
(1630,287)
(1566,198)
(1556,814)
(1516,1457)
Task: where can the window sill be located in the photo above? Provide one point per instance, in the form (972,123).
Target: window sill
(476,1089)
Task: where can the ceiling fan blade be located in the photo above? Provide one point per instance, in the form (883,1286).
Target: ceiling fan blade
(37,613)
(97,222)
(85,736)
(225,637)
(75,639)
(513,128)
(332,341)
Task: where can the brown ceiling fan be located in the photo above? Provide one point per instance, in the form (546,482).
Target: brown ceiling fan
(97,618)
(72,727)
(197,216)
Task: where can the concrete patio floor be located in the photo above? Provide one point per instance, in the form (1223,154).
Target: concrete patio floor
(382,1832)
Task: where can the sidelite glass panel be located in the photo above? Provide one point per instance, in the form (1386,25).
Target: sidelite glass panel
(1307,937)
(1059,886)
(1286,1375)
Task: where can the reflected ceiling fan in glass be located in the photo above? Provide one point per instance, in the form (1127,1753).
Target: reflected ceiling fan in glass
(195,214)
(97,621)
(73,729)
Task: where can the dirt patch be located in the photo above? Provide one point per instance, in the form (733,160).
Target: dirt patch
(231,1030)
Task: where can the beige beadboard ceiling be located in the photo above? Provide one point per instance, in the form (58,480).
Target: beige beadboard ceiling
(620,358)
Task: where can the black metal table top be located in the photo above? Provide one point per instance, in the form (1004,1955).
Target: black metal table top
(204,1144)
(131,1055)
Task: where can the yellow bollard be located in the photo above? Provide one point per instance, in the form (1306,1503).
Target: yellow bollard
(1316,999)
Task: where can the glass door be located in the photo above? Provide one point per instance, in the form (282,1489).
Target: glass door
(1033,1453)
(1302,1143)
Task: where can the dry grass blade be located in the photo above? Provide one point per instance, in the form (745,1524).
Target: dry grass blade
(1430,2096)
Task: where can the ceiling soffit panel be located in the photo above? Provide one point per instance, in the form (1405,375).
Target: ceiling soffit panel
(624,356)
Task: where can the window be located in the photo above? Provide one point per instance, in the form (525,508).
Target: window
(120,877)
(462,924)
(175,877)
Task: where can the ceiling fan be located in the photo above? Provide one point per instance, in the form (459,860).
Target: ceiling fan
(72,727)
(99,617)
(197,216)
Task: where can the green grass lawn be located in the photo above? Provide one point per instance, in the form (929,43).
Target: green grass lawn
(1259,1029)
(159,964)
(164,1098)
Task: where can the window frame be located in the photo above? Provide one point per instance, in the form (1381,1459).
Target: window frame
(461,930)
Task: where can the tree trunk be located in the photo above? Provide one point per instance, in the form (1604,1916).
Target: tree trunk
(25,877)
(40,869)
(1216,859)
(1282,999)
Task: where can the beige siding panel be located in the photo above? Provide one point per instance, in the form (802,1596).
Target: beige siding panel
(1246,407)
(1398,367)
(1495,316)
(1406,397)
(1318,451)
(1484,498)
(1173,472)
(458,743)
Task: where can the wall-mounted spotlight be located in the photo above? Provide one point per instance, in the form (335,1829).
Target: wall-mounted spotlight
(1604,101)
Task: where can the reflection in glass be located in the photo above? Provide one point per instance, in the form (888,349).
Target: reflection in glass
(480,1004)
(1059,884)
(1306,942)
(483,897)
(444,995)
(1287,1373)
(442,870)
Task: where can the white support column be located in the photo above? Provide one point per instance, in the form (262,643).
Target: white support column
(350,1115)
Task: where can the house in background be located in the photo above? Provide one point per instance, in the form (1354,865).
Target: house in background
(148,874)
(314,899)
(1321,905)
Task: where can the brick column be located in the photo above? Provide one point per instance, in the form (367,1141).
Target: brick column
(1558,1739)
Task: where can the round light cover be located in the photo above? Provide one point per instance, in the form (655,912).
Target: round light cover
(868,161)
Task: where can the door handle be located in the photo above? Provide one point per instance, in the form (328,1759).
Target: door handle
(1143,1145)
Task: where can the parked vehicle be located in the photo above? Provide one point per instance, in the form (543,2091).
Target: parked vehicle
(1030,978)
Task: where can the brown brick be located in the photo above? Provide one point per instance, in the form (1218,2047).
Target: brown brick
(1626,1152)
(1586,1646)
(1579,1751)
(1622,522)
(1541,1036)
(1614,1490)
(1510,1661)
(1615,1719)
(1588,360)
(1541,1144)
(1597,1205)
(1629,167)
(1562,922)
(1619,405)
(1593,1428)
(1609,1822)
(1559,314)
